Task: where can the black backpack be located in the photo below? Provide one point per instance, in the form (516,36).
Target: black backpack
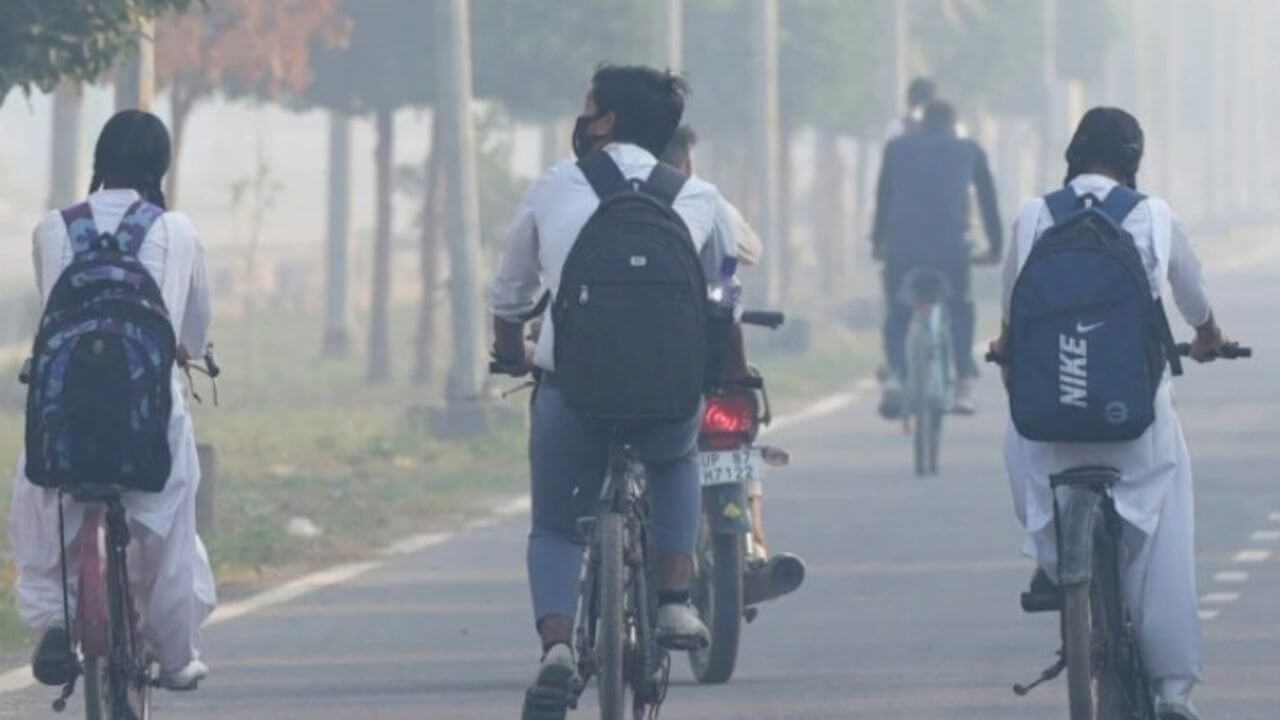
(631,312)
(100,395)
(1088,341)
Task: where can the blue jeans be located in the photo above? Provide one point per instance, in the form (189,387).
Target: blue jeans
(568,457)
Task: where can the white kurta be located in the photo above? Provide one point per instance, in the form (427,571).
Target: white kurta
(1155,495)
(173,579)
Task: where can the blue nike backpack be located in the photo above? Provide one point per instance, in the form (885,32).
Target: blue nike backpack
(1088,341)
(99,394)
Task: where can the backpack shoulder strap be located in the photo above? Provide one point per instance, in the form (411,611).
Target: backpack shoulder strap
(1062,203)
(81,227)
(603,174)
(137,222)
(1120,202)
(664,183)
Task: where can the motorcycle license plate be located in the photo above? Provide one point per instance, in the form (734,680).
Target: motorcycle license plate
(731,466)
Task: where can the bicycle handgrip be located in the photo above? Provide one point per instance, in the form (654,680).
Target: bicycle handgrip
(763,318)
(1226,352)
(211,364)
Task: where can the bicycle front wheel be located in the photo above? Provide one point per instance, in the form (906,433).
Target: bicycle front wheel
(611,633)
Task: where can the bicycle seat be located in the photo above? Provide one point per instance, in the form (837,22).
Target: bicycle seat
(924,285)
(1089,475)
(95,493)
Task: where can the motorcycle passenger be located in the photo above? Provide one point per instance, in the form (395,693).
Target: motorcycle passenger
(174,582)
(1155,495)
(922,221)
(750,250)
(629,113)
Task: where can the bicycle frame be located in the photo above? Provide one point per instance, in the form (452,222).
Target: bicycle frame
(646,668)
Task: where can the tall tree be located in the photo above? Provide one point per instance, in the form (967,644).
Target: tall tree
(43,42)
(380,69)
(64,166)
(242,47)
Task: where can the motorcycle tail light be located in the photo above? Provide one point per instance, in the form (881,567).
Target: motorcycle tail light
(728,421)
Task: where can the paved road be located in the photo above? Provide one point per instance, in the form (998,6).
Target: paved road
(909,612)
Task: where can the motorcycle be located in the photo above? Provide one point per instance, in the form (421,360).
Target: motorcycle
(733,572)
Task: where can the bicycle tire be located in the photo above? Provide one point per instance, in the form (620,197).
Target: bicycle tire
(1077,635)
(96,689)
(719,601)
(611,638)
(935,439)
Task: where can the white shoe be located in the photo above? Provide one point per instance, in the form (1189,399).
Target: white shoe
(185,679)
(549,696)
(1176,709)
(680,628)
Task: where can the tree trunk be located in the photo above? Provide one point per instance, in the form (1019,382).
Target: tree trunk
(828,181)
(182,99)
(380,308)
(136,76)
(459,145)
(433,209)
(65,149)
(337,338)
(764,17)
(784,254)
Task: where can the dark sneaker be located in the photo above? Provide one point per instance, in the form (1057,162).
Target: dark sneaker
(891,400)
(552,691)
(1043,595)
(53,662)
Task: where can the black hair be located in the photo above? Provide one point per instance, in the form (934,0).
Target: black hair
(1107,139)
(680,146)
(647,104)
(921,91)
(939,116)
(132,152)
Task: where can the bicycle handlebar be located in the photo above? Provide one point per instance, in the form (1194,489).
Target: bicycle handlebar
(1232,351)
(763,318)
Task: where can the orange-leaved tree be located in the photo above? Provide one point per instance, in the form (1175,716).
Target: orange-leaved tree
(259,48)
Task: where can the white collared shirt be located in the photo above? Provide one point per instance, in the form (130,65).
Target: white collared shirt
(553,213)
(1161,239)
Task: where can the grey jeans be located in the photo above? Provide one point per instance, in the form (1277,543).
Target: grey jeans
(568,458)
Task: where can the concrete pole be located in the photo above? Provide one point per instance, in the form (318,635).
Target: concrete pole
(136,77)
(463,226)
(669,34)
(764,17)
(1051,128)
(901,48)
(64,164)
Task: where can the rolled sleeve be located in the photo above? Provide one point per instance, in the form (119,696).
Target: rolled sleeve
(198,316)
(516,288)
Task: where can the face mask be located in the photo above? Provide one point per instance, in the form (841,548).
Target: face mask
(583,142)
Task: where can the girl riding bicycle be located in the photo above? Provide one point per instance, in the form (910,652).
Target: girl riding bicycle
(1155,496)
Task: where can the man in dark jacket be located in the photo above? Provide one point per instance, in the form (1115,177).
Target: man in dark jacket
(922,221)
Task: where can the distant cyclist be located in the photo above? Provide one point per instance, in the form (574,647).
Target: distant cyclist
(628,118)
(174,582)
(922,221)
(1155,495)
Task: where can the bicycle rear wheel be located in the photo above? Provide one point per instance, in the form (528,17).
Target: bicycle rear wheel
(1078,632)
(611,633)
(1091,631)
(96,689)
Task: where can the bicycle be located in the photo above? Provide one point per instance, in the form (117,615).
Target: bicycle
(118,667)
(1100,652)
(930,382)
(614,636)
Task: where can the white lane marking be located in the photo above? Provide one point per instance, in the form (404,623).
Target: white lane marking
(293,590)
(1265,536)
(1231,576)
(1251,556)
(1209,614)
(414,543)
(1220,598)
(481,523)
(515,506)
(826,406)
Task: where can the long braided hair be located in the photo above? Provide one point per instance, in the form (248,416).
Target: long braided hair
(1108,139)
(133,152)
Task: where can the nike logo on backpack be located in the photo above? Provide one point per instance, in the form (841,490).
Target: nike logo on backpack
(1083,329)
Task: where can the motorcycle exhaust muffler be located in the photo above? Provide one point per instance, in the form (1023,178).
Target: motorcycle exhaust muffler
(782,574)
